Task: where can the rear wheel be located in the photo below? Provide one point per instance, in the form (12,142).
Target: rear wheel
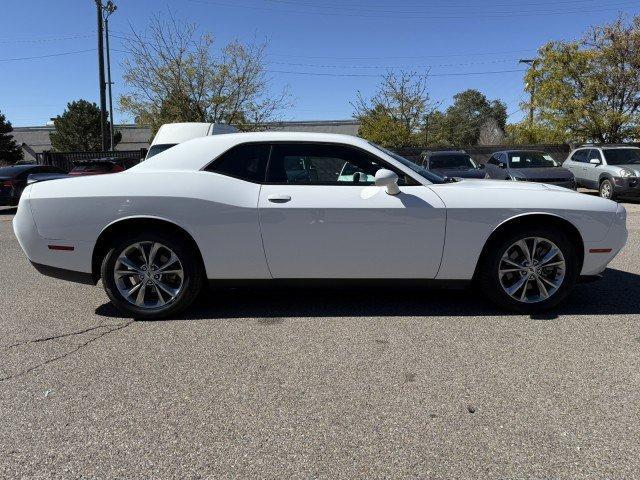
(151,275)
(529,269)
(606,189)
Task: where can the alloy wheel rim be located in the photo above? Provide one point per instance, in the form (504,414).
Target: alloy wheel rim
(606,190)
(532,270)
(149,275)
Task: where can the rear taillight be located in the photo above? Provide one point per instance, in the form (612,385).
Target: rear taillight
(8,183)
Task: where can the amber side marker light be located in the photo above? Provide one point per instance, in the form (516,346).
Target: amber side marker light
(65,248)
(600,250)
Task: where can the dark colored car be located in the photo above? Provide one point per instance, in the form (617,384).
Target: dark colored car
(528,166)
(13,180)
(454,163)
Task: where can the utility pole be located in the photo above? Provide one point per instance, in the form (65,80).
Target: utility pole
(109,8)
(532,63)
(103,101)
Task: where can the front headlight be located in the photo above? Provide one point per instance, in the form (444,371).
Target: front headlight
(624,173)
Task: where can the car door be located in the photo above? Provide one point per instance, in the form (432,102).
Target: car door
(569,164)
(323,225)
(576,164)
(491,166)
(500,171)
(592,171)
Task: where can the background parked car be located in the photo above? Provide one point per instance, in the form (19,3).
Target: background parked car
(100,166)
(14,179)
(528,166)
(171,134)
(96,166)
(452,163)
(612,170)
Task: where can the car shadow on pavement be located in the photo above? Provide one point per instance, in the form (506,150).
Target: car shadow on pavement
(615,294)
(8,211)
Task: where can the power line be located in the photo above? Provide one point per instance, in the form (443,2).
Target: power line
(447,3)
(124,36)
(46,56)
(48,39)
(378,9)
(391,57)
(390,67)
(409,17)
(325,74)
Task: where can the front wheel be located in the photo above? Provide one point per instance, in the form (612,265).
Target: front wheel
(606,189)
(529,269)
(151,275)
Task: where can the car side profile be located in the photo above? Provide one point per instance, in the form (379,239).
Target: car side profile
(280,206)
(612,170)
(528,166)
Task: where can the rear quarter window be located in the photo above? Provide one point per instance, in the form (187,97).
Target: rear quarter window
(246,162)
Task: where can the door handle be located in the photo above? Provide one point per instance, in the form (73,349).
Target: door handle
(279,198)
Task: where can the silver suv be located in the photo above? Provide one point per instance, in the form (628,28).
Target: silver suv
(612,170)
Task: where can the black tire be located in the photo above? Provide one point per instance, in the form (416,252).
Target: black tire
(191,285)
(489,279)
(606,189)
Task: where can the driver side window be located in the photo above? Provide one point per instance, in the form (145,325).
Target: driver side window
(595,155)
(323,164)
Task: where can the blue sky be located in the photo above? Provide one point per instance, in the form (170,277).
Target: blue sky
(352,40)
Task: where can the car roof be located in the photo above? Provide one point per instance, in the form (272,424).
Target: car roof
(196,153)
(618,147)
(15,169)
(605,147)
(445,152)
(519,150)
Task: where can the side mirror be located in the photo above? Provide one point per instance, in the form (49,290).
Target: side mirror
(502,165)
(595,161)
(387,178)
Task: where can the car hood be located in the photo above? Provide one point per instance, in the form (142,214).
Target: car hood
(478,184)
(541,173)
(459,172)
(518,197)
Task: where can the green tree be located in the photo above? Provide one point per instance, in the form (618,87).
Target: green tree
(176,107)
(10,151)
(78,129)
(470,114)
(395,115)
(589,90)
(524,133)
(379,126)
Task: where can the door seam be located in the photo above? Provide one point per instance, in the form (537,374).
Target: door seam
(264,250)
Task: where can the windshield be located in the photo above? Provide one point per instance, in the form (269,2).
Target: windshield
(531,160)
(432,177)
(454,160)
(622,156)
(161,147)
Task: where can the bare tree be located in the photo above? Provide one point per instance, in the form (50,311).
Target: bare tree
(174,74)
(491,133)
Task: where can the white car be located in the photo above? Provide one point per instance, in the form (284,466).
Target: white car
(171,134)
(232,208)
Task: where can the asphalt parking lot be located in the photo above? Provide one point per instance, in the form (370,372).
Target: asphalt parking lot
(319,383)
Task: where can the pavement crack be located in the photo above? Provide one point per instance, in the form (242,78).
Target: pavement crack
(70,352)
(55,337)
